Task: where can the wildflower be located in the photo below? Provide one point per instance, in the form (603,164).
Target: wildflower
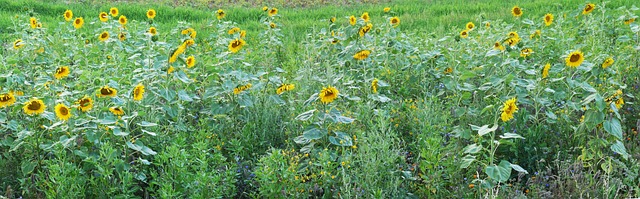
(508,109)
(328,94)
(574,59)
(62,112)
(34,107)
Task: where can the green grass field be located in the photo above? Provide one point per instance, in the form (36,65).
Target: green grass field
(451,99)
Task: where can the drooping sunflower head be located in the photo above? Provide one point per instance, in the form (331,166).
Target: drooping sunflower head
(62,112)
(464,33)
(153,30)
(374,86)
(85,104)
(34,107)
(191,61)
(220,14)
(332,19)
(18,44)
(68,15)
(352,20)
(233,30)
(61,72)
(508,109)
(365,17)
(574,59)
(122,20)
(151,13)
(516,11)
(365,29)
(629,21)
(498,46)
(104,36)
(619,103)
(285,87)
(470,26)
(513,41)
(395,21)
(265,8)
(526,52)
(273,11)
(607,62)
(386,9)
(117,111)
(7,99)
(78,22)
(361,55)
(235,45)
(545,70)
(548,19)
(328,94)
(113,11)
(106,91)
(33,22)
(104,17)
(243,33)
(122,36)
(588,8)
(272,25)
(138,92)
(513,34)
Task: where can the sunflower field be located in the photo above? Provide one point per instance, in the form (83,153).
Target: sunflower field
(529,106)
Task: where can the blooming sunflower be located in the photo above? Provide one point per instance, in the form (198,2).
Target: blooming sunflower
(104,36)
(233,30)
(470,26)
(138,92)
(265,8)
(241,88)
(85,104)
(106,91)
(220,14)
(117,111)
(464,33)
(18,44)
(361,55)
(7,99)
(545,70)
(619,103)
(513,41)
(151,13)
(273,11)
(508,109)
(526,52)
(34,107)
(285,87)
(61,72)
(386,9)
(513,34)
(191,61)
(272,25)
(607,62)
(328,94)
(113,11)
(395,21)
(78,22)
(122,20)
(62,112)
(516,11)
(588,8)
(498,46)
(374,85)
(68,15)
(548,19)
(352,20)
(177,52)
(365,17)
(33,22)
(574,59)
(332,19)
(104,17)
(235,45)
(122,36)
(365,29)
(153,30)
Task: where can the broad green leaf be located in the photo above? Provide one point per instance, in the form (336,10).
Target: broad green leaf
(518,168)
(27,167)
(147,124)
(341,139)
(500,172)
(613,127)
(466,161)
(306,115)
(472,149)
(619,148)
(313,133)
(510,136)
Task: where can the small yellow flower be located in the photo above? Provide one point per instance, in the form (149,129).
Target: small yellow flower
(151,13)
(508,109)
(470,26)
(68,15)
(607,62)
(545,70)
(78,22)
(464,33)
(386,9)
(516,11)
(352,20)
(123,20)
(374,86)
(394,21)
(153,31)
(365,17)
(113,11)
(104,17)
(548,19)
(63,112)
(220,14)
(191,61)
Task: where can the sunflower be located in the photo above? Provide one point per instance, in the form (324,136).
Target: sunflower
(191,61)
(104,36)
(487,25)
(508,109)
(106,91)
(536,33)
(243,33)
(619,103)
(265,8)
(68,15)
(220,14)
(328,94)
(153,30)
(545,70)
(574,59)
(272,25)
(39,25)
(513,34)
(122,36)
(61,72)
(470,26)
(33,22)
(548,19)
(7,99)
(526,52)
(151,13)
(365,17)
(188,42)
(233,30)
(395,21)
(365,29)
(123,20)
(374,85)
(361,55)
(62,112)
(498,46)
(241,88)
(177,52)
(170,69)
(332,19)
(273,11)
(113,11)
(516,11)
(117,111)
(607,62)
(386,9)
(235,45)
(138,92)
(18,44)
(588,8)
(513,41)
(34,107)
(285,87)
(104,17)
(629,21)
(352,20)
(78,22)
(464,33)
(335,41)
(85,104)
(448,70)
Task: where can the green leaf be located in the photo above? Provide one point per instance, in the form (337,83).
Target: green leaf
(619,148)
(344,120)
(341,139)
(138,146)
(613,127)
(183,77)
(466,161)
(27,167)
(117,131)
(510,136)
(518,168)
(182,95)
(472,149)
(147,124)
(500,172)
(484,129)
(306,115)
(467,75)
(313,133)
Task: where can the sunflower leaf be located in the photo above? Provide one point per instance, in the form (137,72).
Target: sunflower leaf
(306,115)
